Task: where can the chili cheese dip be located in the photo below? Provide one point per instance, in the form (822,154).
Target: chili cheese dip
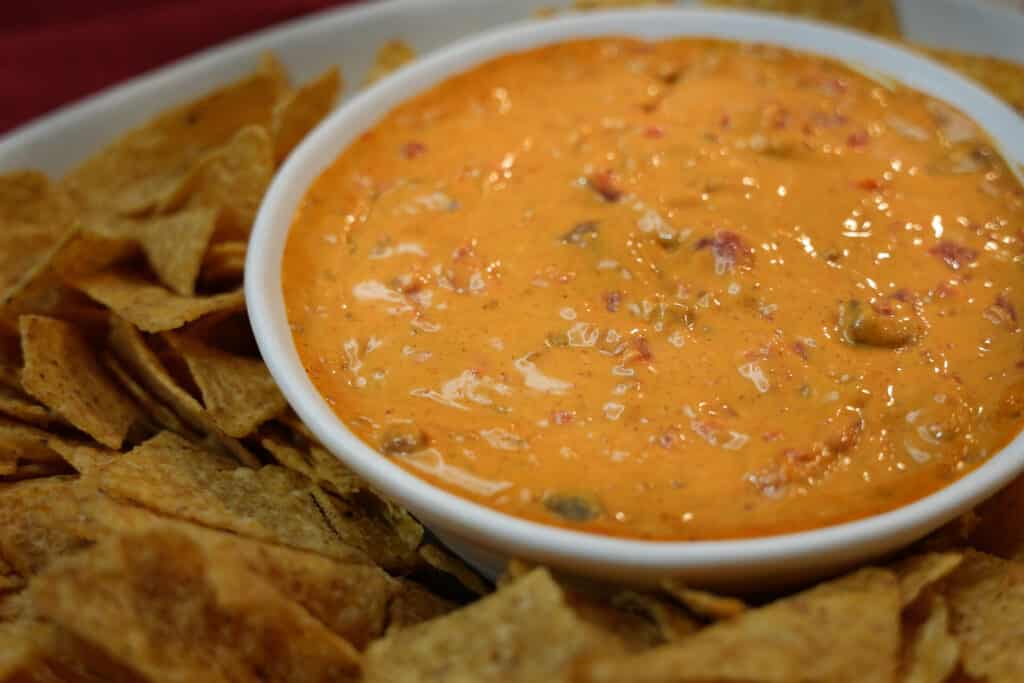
(681,290)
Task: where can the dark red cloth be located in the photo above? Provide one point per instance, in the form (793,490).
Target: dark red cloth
(56,51)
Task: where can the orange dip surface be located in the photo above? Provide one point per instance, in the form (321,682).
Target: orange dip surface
(680,290)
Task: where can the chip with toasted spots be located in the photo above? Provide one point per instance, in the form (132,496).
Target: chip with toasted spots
(145,167)
(524,632)
(43,519)
(391,56)
(180,479)
(231,179)
(223,266)
(161,416)
(845,630)
(239,393)
(919,572)
(443,561)
(931,653)
(157,601)
(299,452)
(151,307)
(374,525)
(300,110)
(873,16)
(130,347)
(351,598)
(702,603)
(63,373)
(1003,77)
(986,604)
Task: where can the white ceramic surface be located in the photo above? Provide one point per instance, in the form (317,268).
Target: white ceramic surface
(485,536)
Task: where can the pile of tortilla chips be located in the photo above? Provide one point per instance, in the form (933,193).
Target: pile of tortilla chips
(165,517)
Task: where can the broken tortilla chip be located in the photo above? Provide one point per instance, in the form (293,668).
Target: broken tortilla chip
(149,306)
(919,572)
(795,638)
(15,404)
(62,372)
(300,111)
(933,653)
(986,603)
(180,479)
(300,452)
(390,57)
(239,393)
(702,603)
(156,601)
(143,168)
(524,632)
(873,16)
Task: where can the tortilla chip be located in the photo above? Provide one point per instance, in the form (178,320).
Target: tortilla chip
(62,372)
(13,403)
(224,265)
(843,630)
(130,347)
(444,561)
(374,525)
(144,167)
(986,601)
(278,74)
(309,459)
(702,603)
(921,571)
(933,653)
(300,111)
(84,458)
(174,477)
(35,217)
(1003,77)
(524,632)
(351,598)
(634,632)
(44,519)
(21,444)
(157,601)
(673,623)
(238,392)
(414,604)
(873,16)
(151,307)
(162,417)
(231,179)
(391,56)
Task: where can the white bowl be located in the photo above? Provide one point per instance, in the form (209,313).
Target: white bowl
(487,538)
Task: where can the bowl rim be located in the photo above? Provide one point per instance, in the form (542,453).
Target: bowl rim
(513,536)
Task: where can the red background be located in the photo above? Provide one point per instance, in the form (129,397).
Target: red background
(56,51)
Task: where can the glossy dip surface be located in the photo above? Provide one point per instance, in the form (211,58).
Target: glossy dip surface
(676,290)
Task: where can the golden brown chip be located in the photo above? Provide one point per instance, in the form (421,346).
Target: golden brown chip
(1003,77)
(702,603)
(157,601)
(295,452)
(174,477)
(62,372)
(224,265)
(13,403)
(633,632)
(84,458)
(300,111)
(231,179)
(374,525)
(843,630)
(161,416)
(874,16)
(414,604)
(921,571)
(43,519)
(391,56)
(350,598)
(130,347)
(933,653)
(23,443)
(444,561)
(35,217)
(144,167)
(238,392)
(524,632)
(986,602)
(149,306)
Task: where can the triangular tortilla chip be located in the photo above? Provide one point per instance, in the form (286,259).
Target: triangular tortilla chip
(873,16)
(149,306)
(238,392)
(300,111)
(174,477)
(157,601)
(62,372)
(144,167)
(986,602)
(524,632)
(847,630)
